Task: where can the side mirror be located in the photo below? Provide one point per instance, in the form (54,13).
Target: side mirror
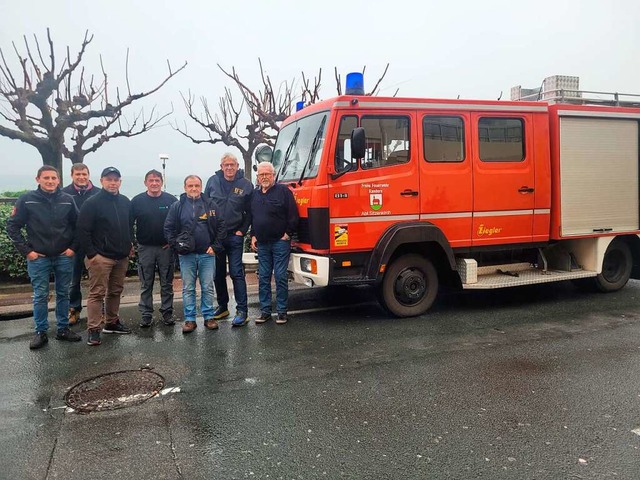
(263,153)
(358,143)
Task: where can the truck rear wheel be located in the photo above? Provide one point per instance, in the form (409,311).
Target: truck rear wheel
(616,267)
(409,286)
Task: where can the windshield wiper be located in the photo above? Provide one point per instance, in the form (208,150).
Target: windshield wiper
(285,161)
(314,149)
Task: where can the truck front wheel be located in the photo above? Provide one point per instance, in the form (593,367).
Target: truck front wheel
(409,286)
(616,267)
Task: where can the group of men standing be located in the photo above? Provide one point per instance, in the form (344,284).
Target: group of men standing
(85,226)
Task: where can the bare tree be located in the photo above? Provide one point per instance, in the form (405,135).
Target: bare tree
(266,109)
(63,112)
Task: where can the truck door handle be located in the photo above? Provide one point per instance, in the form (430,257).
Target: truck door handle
(409,193)
(526,189)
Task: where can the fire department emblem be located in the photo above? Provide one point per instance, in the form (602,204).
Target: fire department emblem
(375,201)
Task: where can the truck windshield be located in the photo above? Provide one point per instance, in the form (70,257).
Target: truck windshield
(299,148)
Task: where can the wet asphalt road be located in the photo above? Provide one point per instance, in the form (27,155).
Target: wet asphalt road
(540,382)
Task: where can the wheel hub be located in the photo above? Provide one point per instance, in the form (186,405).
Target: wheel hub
(410,286)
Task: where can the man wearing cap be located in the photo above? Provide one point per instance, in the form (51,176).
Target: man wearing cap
(105,234)
(80,189)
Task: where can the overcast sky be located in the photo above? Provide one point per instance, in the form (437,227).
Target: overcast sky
(474,49)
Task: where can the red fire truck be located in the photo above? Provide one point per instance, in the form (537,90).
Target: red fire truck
(409,194)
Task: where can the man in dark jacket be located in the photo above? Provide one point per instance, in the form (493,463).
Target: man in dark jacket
(275,217)
(80,189)
(50,219)
(232,193)
(104,232)
(194,229)
(149,211)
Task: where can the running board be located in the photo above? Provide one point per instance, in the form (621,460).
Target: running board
(512,275)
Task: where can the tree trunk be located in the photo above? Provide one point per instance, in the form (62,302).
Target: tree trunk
(51,157)
(248,165)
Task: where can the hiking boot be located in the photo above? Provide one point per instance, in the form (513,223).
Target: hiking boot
(67,336)
(211,324)
(93,337)
(264,317)
(168,320)
(115,327)
(221,312)
(74,316)
(240,319)
(188,327)
(146,322)
(39,340)
(282,318)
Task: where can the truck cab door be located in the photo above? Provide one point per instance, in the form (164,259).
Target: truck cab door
(379,190)
(503,179)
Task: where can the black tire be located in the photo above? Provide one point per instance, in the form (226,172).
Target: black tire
(409,286)
(616,267)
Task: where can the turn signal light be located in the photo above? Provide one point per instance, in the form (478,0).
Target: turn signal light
(308,265)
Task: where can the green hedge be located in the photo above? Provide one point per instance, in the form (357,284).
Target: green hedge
(14,265)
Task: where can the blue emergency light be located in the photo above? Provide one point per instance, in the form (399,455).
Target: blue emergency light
(299,105)
(355,84)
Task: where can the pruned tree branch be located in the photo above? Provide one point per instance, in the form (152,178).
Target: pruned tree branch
(47,103)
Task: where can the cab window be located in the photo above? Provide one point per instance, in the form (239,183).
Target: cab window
(343,147)
(387,141)
(501,139)
(443,139)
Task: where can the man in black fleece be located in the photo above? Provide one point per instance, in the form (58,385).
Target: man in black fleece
(80,189)
(104,232)
(148,211)
(275,217)
(50,219)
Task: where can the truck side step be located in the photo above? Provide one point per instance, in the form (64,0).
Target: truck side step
(511,275)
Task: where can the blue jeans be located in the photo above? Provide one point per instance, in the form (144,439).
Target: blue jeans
(39,271)
(233,249)
(273,257)
(201,266)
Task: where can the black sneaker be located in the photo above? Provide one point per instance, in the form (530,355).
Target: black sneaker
(93,338)
(68,336)
(39,340)
(264,317)
(168,320)
(221,312)
(146,322)
(282,318)
(115,327)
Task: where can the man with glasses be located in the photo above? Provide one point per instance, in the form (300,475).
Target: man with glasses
(232,193)
(274,216)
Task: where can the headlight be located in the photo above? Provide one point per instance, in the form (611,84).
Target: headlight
(308,265)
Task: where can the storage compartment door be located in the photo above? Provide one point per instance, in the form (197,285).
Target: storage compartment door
(598,175)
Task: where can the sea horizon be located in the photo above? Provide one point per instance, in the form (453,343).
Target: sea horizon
(131,185)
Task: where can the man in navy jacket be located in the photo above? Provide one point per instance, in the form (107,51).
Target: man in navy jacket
(275,218)
(232,193)
(80,189)
(197,217)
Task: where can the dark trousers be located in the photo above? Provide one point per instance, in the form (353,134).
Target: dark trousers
(75,295)
(233,249)
(152,258)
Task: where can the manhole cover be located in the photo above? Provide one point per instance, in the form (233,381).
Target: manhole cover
(111,391)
